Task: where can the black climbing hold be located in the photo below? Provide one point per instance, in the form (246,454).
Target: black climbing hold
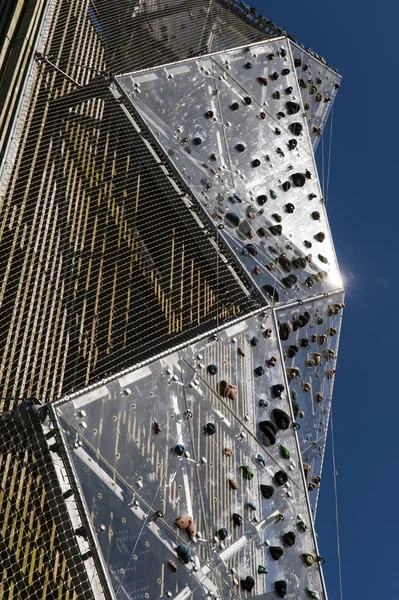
(276,95)
(304,343)
(240,147)
(281,418)
(292,107)
(289,538)
(212,369)
(269,289)
(276,229)
(285,72)
(284,262)
(292,144)
(248,65)
(234,106)
(320,237)
(254,341)
(280,477)
(209,114)
(289,208)
(267,491)
(283,52)
(315,215)
(322,258)
(261,232)
(210,428)
(286,186)
(303,84)
(288,90)
(255,162)
(247,100)
(248,583)
(281,588)
(298,263)
(289,281)
(268,425)
(223,533)
(251,249)
(237,519)
(307,244)
(261,200)
(292,351)
(197,141)
(298,179)
(280,115)
(297,62)
(305,67)
(277,217)
(263,402)
(296,128)
(277,390)
(178,449)
(274,76)
(276,552)
(308,174)
(270,56)
(295,407)
(233,219)
(262,80)
(259,371)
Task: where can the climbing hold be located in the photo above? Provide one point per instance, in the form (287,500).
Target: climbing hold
(267,333)
(278,150)
(319,97)
(292,350)
(285,453)
(312,593)
(283,52)
(210,428)
(276,229)
(286,186)
(248,583)
(262,570)
(320,320)
(184,553)
(254,341)
(183,521)
(228,390)
(292,144)
(234,106)
(308,559)
(320,237)
(294,394)
(288,90)
(233,484)
(263,402)
(267,491)
(248,65)
(322,258)
(298,263)
(289,538)
(269,289)
(232,219)
(292,107)
(308,245)
(272,361)
(285,330)
(315,215)
(156,428)
(250,505)
(261,200)
(273,194)
(251,249)
(301,525)
(209,114)
(274,76)
(289,281)
(240,147)
(277,217)
(270,56)
(289,208)
(283,261)
(296,128)
(259,371)
(261,460)
(305,67)
(262,80)
(179,450)
(247,472)
(280,115)
(277,390)
(262,115)
(280,477)
(223,533)
(276,552)
(212,369)
(306,386)
(255,163)
(285,72)
(197,141)
(281,418)
(172,566)
(277,131)
(297,62)
(298,179)
(237,519)
(247,100)
(276,95)
(281,588)
(304,343)
(228,451)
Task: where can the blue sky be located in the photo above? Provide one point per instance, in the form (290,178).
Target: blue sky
(359,38)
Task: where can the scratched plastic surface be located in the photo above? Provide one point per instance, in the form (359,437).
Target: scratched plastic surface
(243,197)
(316,409)
(319,85)
(128,470)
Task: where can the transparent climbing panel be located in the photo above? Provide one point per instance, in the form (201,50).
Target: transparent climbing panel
(318,84)
(310,354)
(181,438)
(232,124)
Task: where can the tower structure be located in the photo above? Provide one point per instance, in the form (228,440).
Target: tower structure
(171,302)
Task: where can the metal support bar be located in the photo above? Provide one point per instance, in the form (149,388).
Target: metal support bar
(81,505)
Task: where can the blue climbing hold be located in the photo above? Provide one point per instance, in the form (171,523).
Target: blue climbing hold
(210,428)
(179,449)
(212,369)
(184,553)
(254,341)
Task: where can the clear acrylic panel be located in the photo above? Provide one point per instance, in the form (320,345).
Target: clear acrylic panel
(124,441)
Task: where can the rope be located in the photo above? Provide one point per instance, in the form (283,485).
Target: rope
(336,506)
(329,154)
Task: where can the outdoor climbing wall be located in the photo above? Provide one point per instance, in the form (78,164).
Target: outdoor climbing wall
(318,84)
(233,126)
(186,435)
(310,357)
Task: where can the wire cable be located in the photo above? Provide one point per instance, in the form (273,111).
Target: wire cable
(336,506)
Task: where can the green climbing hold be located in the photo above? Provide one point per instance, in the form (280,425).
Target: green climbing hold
(247,472)
(320,320)
(285,453)
(262,569)
(322,259)
(277,217)
(277,131)
(276,95)
(294,394)
(273,194)
(302,526)
(311,593)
